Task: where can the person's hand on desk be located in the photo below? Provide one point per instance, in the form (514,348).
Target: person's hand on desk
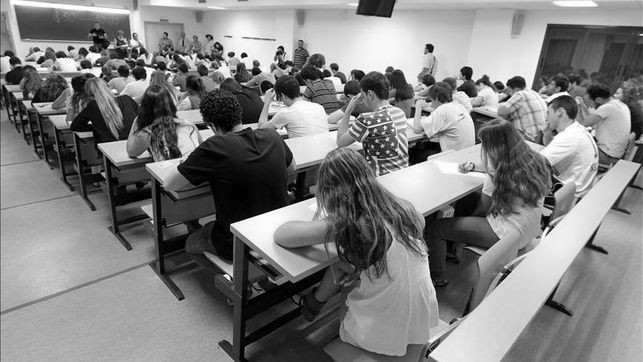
(470,166)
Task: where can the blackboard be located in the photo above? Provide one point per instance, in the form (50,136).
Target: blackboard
(67,25)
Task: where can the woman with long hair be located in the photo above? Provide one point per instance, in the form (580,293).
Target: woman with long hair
(158,129)
(111,117)
(241,75)
(146,56)
(195,92)
(487,94)
(378,239)
(79,98)
(31,82)
(517,181)
(401,92)
(158,79)
(53,86)
(49,58)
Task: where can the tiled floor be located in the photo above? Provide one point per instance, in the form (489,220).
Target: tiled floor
(70,291)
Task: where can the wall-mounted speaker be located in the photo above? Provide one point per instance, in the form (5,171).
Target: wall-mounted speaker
(201,1)
(198,15)
(301,17)
(135,5)
(516,23)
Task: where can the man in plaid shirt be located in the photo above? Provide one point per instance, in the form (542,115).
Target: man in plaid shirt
(525,109)
(382,132)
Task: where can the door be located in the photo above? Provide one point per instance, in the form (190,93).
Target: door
(154,33)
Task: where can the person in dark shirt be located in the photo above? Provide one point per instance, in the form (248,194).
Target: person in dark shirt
(251,103)
(468,87)
(98,36)
(53,86)
(247,171)
(14,76)
(111,117)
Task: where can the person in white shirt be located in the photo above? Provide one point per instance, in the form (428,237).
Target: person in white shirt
(487,96)
(5,66)
(301,118)
(118,84)
(612,121)
(93,55)
(429,62)
(458,96)
(134,43)
(64,64)
(137,88)
(557,87)
(572,153)
(449,121)
(34,54)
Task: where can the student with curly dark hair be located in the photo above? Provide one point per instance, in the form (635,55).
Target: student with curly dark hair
(53,86)
(235,163)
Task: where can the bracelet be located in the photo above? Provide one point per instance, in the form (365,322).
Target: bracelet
(472,164)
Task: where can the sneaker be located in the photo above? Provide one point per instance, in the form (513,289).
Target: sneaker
(310,306)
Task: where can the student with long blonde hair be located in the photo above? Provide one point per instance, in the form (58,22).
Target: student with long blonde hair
(378,238)
(158,129)
(111,117)
(517,181)
(31,81)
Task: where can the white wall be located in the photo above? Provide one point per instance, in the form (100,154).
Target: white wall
(228,27)
(495,53)
(173,15)
(370,43)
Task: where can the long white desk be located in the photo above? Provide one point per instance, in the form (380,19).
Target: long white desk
(488,333)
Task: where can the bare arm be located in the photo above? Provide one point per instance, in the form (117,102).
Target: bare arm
(343,138)
(483,206)
(176,181)
(267,99)
(296,234)
(417,119)
(503,110)
(587,118)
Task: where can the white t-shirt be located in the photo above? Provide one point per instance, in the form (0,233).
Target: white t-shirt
(337,83)
(118,84)
(574,156)
(453,126)
(225,71)
(301,119)
(65,65)
(388,313)
(489,97)
(5,66)
(136,89)
(612,132)
(554,96)
(525,219)
(93,57)
(463,99)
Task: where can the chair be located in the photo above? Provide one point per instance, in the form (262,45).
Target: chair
(488,266)
(631,151)
(627,155)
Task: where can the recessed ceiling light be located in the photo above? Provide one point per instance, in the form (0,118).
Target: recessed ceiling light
(575,3)
(352,4)
(216,7)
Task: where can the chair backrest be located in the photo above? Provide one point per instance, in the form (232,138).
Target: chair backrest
(629,149)
(492,262)
(564,200)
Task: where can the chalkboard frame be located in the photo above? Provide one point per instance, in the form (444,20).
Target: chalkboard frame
(110,22)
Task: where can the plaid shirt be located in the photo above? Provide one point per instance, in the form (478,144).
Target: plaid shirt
(383,135)
(528,112)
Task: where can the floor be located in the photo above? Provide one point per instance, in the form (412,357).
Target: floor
(70,291)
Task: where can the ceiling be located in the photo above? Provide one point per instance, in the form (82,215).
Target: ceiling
(401,4)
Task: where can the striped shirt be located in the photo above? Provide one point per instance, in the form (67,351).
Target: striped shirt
(527,112)
(300,57)
(383,135)
(322,92)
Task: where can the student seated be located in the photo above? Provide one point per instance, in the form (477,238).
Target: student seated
(401,92)
(64,64)
(31,82)
(34,54)
(382,131)
(326,74)
(79,98)
(611,119)
(572,153)
(517,181)
(319,91)
(251,103)
(93,54)
(629,94)
(136,88)
(557,87)
(14,76)
(258,76)
(158,129)
(351,89)
(181,76)
(53,86)
(158,79)
(525,109)
(382,267)
(208,83)
(334,69)
(195,92)
(119,83)
(235,163)
(241,75)
(111,117)
(217,78)
(423,88)
(468,86)
(458,96)
(487,96)
(300,118)
(449,121)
